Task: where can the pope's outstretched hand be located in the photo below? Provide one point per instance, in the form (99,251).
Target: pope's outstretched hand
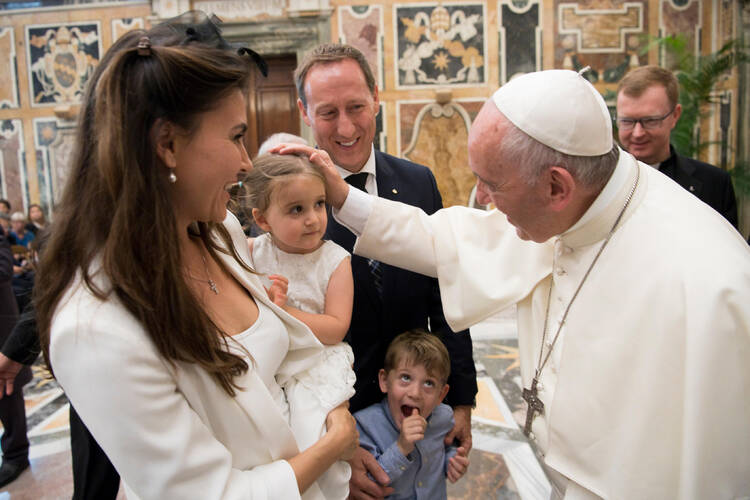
(336,188)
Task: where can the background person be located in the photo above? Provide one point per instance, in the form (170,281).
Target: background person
(37,220)
(14,442)
(647,110)
(338,100)
(632,294)
(138,320)
(18,231)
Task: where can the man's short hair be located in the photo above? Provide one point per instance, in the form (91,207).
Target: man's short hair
(637,81)
(419,347)
(329,53)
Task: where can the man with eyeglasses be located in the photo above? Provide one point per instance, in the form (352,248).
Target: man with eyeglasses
(647,111)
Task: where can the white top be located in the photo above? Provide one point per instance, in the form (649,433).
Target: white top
(267,342)
(308,273)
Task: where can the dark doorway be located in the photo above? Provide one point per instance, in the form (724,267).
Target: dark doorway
(272,103)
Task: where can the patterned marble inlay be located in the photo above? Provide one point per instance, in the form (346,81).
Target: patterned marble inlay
(8,76)
(600,30)
(242,9)
(520,37)
(607,35)
(440,44)
(61,58)
(13,180)
(122,26)
(54,140)
(362,27)
(684,18)
(437,136)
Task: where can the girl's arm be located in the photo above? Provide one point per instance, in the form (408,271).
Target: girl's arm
(331,326)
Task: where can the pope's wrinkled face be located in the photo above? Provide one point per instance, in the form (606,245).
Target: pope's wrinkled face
(341,111)
(502,184)
(649,145)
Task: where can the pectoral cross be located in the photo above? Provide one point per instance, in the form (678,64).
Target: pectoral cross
(535,405)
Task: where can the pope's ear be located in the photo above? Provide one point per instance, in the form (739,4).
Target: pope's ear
(163,134)
(560,185)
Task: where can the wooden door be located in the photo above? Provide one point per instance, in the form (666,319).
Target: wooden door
(272,102)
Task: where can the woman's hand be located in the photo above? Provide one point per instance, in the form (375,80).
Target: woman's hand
(336,188)
(343,430)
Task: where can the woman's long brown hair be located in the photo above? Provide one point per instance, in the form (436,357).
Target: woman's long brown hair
(115,216)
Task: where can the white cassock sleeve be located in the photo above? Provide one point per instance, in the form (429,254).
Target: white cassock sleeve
(481,264)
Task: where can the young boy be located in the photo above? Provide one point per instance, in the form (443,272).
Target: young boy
(405,432)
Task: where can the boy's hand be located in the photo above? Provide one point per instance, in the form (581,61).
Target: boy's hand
(457,465)
(412,430)
(277,290)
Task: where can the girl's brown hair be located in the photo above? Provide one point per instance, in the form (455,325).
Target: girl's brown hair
(115,216)
(270,170)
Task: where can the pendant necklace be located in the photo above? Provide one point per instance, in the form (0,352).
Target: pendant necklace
(535,405)
(211,283)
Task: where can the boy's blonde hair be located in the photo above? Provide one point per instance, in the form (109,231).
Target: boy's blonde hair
(419,347)
(270,170)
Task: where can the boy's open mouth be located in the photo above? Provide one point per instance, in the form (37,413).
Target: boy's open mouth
(407,410)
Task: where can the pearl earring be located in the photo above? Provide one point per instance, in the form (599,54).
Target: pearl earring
(172,177)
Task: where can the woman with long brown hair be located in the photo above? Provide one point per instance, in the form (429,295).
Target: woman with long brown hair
(162,337)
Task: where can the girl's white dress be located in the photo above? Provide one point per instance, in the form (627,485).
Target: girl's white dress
(316,391)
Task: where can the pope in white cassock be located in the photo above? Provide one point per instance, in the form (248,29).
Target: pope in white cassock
(633,296)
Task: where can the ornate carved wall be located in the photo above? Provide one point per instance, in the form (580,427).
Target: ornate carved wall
(419,49)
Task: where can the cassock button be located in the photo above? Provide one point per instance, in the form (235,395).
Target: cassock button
(403,468)
(561,272)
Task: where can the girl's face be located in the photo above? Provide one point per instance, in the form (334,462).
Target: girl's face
(35,214)
(296,216)
(208,162)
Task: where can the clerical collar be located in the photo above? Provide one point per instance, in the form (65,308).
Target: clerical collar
(611,190)
(369,166)
(667,166)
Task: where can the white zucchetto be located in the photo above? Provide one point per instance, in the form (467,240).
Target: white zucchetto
(560,109)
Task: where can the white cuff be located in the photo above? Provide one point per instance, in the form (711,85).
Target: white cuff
(355,211)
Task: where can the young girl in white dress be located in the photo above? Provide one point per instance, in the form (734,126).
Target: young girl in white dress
(312,280)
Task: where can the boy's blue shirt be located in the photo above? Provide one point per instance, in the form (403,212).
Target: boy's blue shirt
(422,474)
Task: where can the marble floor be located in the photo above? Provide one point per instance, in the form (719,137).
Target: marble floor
(504,465)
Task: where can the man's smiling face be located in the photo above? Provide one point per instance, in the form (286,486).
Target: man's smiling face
(341,111)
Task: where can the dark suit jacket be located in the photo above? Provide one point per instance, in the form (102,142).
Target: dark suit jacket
(409,300)
(712,185)
(8,305)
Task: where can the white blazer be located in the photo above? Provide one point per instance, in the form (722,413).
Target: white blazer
(169,429)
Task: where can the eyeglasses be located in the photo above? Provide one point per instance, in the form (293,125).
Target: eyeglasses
(648,123)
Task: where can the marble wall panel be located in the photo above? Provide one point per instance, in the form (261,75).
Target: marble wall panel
(683,17)
(53,140)
(122,26)
(61,58)
(242,9)
(13,181)
(440,44)
(606,35)
(436,135)
(362,27)
(520,37)
(8,75)
(381,135)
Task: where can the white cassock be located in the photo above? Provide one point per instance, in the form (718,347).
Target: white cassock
(647,392)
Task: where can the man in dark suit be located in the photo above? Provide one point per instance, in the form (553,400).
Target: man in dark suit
(338,99)
(14,443)
(647,111)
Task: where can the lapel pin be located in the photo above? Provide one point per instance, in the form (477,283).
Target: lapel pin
(692,188)
(394,191)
